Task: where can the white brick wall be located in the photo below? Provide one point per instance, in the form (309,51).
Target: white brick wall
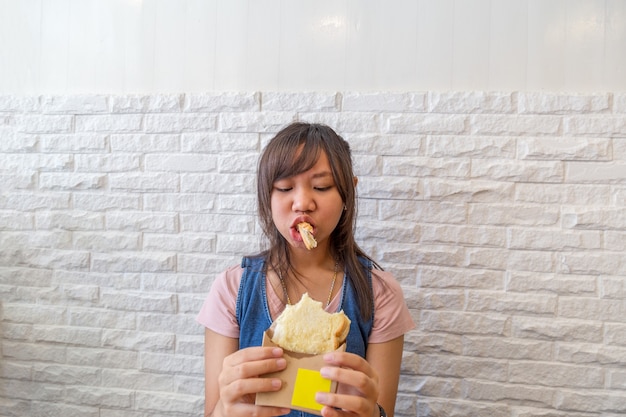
(502,214)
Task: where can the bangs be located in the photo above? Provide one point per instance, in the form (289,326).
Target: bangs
(298,154)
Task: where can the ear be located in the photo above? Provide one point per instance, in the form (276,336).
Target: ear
(356,180)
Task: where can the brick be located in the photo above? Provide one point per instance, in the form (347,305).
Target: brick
(571,194)
(462,235)
(505,303)
(71,181)
(285,101)
(184,242)
(118,123)
(457,408)
(222,102)
(70,220)
(518,171)
(564,149)
(89,201)
(615,334)
(470,323)
(138,341)
(483,191)
(217,183)
(34,314)
(510,260)
(143,221)
(133,262)
(36,123)
(612,287)
(525,282)
(565,330)
(15,220)
(535,239)
(509,214)
(591,401)
(74,143)
(212,142)
(381,231)
(74,104)
(145,182)
(137,380)
(386,144)
(12,142)
(188,202)
(599,309)
(586,263)
(470,102)
(346,122)
(425,167)
(26,163)
(463,367)
(503,125)
(430,276)
(55,409)
(546,103)
(390,187)
(438,146)
(46,258)
(145,143)
(592,354)
(166,402)
(24,202)
(184,324)
(32,352)
(238,163)
(261,122)
(20,181)
(107,163)
(68,335)
(595,172)
(556,375)
(97,396)
(435,212)
(508,393)
(508,348)
(176,123)
(106,358)
(596,126)
(153,103)
(384,102)
(98,318)
(19,103)
(180,162)
(426,124)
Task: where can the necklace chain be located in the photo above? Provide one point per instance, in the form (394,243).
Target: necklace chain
(330,293)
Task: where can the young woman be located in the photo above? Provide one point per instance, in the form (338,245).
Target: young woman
(305,174)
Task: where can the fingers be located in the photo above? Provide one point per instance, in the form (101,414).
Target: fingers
(241,378)
(358,386)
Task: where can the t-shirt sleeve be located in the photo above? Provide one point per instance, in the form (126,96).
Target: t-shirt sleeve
(391,314)
(218,312)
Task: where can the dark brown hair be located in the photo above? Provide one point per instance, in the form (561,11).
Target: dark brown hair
(283,158)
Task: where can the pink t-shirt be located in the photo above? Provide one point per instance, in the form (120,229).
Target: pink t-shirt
(391,317)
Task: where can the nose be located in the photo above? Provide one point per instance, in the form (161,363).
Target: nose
(303,200)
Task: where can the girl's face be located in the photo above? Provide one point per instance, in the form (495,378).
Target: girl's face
(312,197)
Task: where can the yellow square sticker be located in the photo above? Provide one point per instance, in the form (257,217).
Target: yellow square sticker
(307,383)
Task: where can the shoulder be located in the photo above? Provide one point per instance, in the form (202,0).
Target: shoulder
(228,281)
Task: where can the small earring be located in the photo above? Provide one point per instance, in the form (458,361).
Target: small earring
(345,208)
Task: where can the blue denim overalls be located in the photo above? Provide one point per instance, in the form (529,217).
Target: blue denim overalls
(254,317)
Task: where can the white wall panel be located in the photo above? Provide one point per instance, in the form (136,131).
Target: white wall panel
(143,46)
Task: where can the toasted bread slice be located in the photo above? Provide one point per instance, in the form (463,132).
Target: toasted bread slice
(306,231)
(306,328)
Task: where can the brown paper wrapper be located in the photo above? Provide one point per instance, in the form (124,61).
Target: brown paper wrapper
(301,380)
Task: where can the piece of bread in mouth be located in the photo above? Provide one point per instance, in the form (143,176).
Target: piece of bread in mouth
(306,327)
(306,231)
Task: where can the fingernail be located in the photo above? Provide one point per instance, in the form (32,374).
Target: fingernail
(325,372)
(321,397)
(277,352)
(329,357)
(281,363)
(276,383)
